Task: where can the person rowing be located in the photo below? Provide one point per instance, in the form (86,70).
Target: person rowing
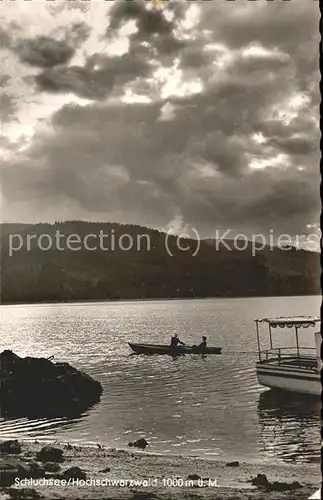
(203,343)
(175,341)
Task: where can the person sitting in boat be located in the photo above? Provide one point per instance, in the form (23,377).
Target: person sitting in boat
(203,343)
(175,341)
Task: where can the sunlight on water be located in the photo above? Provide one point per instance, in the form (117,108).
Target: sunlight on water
(211,407)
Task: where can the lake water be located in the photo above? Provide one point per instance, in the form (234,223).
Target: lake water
(212,407)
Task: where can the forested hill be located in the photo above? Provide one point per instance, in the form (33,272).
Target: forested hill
(147,270)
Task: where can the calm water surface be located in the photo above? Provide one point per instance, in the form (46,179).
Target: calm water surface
(213,407)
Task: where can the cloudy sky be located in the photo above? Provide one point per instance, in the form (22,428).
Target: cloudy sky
(185,113)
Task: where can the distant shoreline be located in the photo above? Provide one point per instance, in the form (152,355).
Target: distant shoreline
(157,299)
(35,273)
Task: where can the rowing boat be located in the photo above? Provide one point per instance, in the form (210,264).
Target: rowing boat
(172,351)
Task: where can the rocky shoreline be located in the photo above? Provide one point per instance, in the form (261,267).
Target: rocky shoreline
(39,387)
(33,470)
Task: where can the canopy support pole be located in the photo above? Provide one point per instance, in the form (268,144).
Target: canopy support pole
(297,344)
(258,339)
(271,340)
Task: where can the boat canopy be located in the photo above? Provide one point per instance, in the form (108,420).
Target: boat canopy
(290,322)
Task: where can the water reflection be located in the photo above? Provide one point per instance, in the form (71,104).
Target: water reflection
(170,356)
(289,425)
(38,427)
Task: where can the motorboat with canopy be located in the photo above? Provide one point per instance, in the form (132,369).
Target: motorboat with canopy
(292,368)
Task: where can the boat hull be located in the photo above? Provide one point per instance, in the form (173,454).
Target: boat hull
(172,351)
(285,378)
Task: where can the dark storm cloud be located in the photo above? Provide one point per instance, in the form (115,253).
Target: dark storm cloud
(195,57)
(75,5)
(8,32)
(292,29)
(169,45)
(90,178)
(153,27)
(5,38)
(77,33)
(46,52)
(4,80)
(149,22)
(101,73)
(299,138)
(273,23)
(96,79)
(305,145)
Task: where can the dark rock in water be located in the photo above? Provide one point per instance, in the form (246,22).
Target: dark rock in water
(8,471)
(260,480)
(51,467)
(104,471)
(37,387)
(50,454)
(24,494)
(143,495)
(233,464)
(73,473)
(194,477)
(278,486)
(30,470)
(10,447)
(140,443)
(11,468)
